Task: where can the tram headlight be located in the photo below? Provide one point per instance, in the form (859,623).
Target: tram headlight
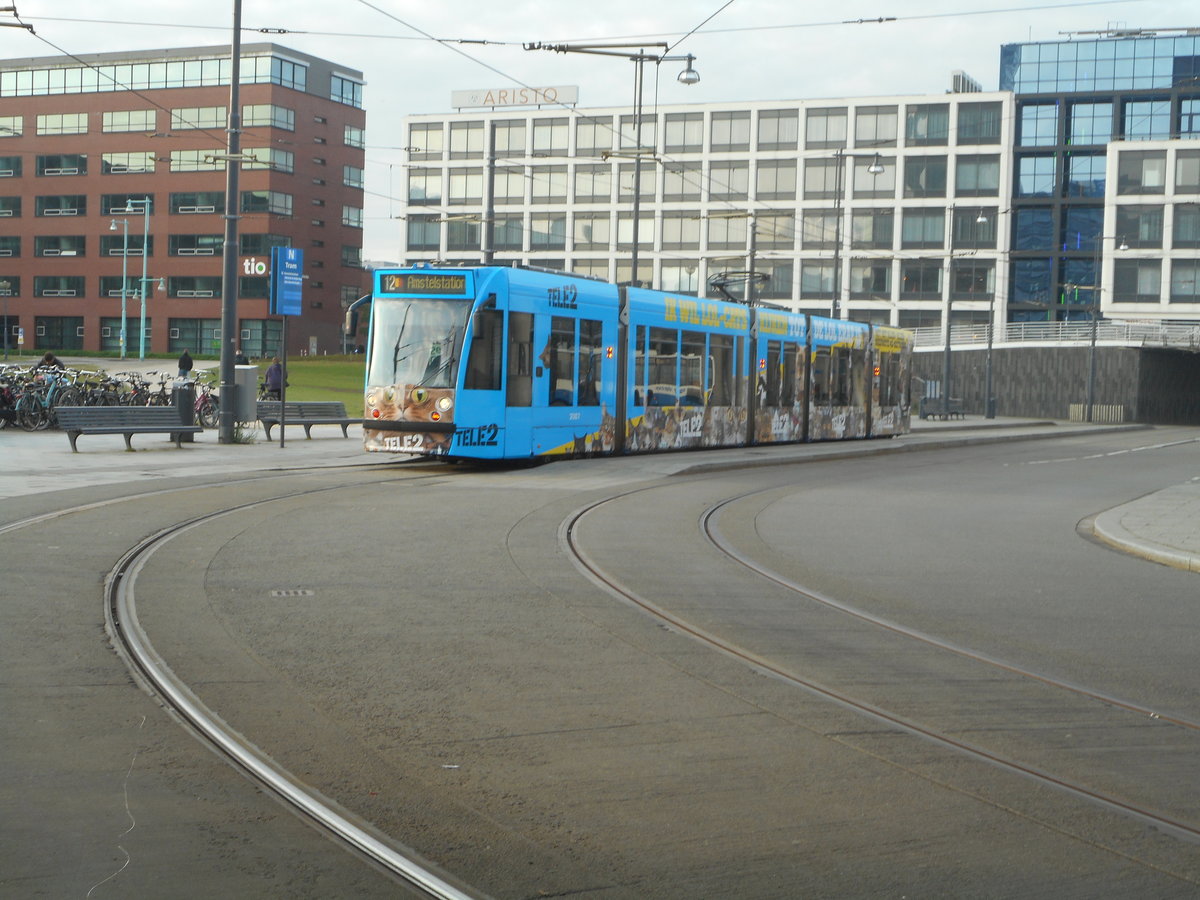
(444,403)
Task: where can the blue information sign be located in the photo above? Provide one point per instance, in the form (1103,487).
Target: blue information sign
(287,280)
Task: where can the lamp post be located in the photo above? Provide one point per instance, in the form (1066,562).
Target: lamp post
(145,204)
(688,76)
(124,276)
(1096,299)
(875,168)
(5,290)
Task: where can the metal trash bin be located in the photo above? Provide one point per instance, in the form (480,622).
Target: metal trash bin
(185,403)
(245,379)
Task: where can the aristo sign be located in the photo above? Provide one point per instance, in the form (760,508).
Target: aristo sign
(567,95)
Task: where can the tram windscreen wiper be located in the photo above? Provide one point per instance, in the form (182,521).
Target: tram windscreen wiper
(396,357)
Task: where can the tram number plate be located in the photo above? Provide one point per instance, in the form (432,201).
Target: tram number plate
(403,442)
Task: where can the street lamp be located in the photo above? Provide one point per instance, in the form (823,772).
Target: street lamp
(124,275)
(875,168)
(688,76)
(129,210)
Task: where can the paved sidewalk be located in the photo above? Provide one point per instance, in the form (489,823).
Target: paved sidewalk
(1163,526)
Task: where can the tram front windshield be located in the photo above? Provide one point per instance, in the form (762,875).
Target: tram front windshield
(417,342)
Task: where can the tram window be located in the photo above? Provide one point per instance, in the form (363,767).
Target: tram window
(889,382)
(520,359)
(639,367)
(663,360)
(561,362)
(820,376)
(739,369)
(590,348)
(483,361)
(857,387)
(839,377)
(787,385)
(774,366)
(721,369)
(691,369)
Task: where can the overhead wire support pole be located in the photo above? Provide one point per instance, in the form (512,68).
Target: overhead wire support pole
(229,281)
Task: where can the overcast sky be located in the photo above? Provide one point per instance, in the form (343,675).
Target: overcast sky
(745,49)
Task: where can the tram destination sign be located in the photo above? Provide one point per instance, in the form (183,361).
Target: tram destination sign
(427,284)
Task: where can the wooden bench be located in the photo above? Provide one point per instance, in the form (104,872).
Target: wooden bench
(943,409)
(124,420)
(306,413)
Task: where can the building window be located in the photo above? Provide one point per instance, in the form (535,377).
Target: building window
(593,184)
(683,132)
(1186,230)
(1035,176)
(592,231)
(1146,120)
(780,277)
(509,136)
(925,176)
(625,232)
(12,126)
(60,245)
(647,182)
(871,229)
(1142,172)
(775,230)
(920,279)
(352,217)
(1038,125)
(550,136)
(679,277)
(1031,282)
(195,245)
(727,233)
(977,176)
(927,125)
(1140,226)
(1185,283)
(1085,175)
(974,228)
(427,140)
(1090,123)
(58,286)
(345,90)
(10,207)
(729,180)
(10,245)
(818,229)
(870,278)
(135,163)
(549,184)
(508,185)
(425,186)
(269,158)
(201,286)
(547,231)
(266,115)
(272,202)
(466,140)
(509,233)
(1034,229)
(730,132)
(1189,118)
(972,279)
(129,120)
(649,133)
(1137,280)
(59,205)
(822,179)
(776,180)
(424,233)
(979,123)
(778,129)
(117,245)
(868,183)
(466,186)
(593,136)
(816,279)
(875,126)
(197,160)
(202,117)
(261,244)
(682,181)
(60,164)
(825,128)
(681,231)
(62,123)
(193,202)
(352,177)
(1187,172)
(462,234)
(922,228)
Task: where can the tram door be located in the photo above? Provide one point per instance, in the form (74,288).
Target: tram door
(519,383)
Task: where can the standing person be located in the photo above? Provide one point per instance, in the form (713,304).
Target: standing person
(274,379)
(239,358)
(185,365)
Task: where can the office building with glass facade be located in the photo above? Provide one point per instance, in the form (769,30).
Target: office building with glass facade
(1107,177)
(112,167)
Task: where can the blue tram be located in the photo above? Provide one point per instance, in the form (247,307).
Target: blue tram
(518,363)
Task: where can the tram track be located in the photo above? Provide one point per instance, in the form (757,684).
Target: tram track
(594,570)
(154,674)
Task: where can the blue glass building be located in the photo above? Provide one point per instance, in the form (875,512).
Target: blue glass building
(1074,100)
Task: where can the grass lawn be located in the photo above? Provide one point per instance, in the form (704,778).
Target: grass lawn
(325,378)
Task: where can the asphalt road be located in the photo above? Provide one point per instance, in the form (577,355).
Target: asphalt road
(418,645)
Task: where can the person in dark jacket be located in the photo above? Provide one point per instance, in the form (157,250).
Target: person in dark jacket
(274,379)
(185,365)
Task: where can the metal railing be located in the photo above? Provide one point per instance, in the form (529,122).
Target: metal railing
(1108,331)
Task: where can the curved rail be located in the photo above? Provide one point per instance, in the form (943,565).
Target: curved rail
(596,574)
